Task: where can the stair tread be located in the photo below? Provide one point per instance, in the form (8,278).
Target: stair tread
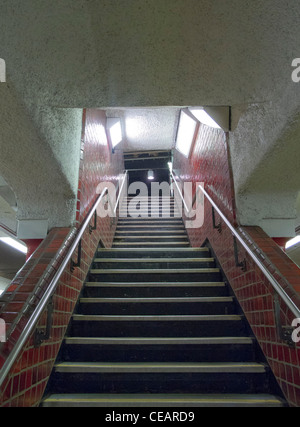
(143,244)
(156,236)
(128,232)
(151,318)
(161,221)
(154,270)
(153,236)
(154,260)
(179,226)
(253,367)
(157,299)
(155,400)
(156,249)
(155,284)
(158,340)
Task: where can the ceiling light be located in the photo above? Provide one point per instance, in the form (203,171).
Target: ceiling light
(14,244)
(292,242)
(185,134)
(115,131)
(203,117)
(150,174)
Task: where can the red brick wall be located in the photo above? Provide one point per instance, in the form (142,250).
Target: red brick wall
(27,379)
(98,164)
(210,163)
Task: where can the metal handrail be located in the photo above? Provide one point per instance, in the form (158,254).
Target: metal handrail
(41,306)
(182,198)
(275,284)
(121,188)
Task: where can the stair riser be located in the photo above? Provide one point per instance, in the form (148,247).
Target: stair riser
(152,254)
(135,229)
(154,264)
(151,292)
(150,221)
(145,164)
(156,308)
(158,353)
(156,328)
(154,239)
(149,215)
(144,207)
(160,383)
(143,245)
(154,277)
(148,231)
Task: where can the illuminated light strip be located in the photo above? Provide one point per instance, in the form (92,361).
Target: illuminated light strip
(204,117)
(14,244)
(292,242)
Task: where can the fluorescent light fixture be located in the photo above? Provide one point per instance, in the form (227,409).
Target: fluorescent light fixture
(150,174)
(185,134)
(115,131)
(204,118)
(170,166)
(14,244)
(97,133)
(292,242)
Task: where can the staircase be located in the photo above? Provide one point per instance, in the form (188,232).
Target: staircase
(157,326)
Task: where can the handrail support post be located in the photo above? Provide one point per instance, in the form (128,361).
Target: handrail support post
(215,226)
(41,335)
(283,332)
(94,226)
(238,263)
(73,264)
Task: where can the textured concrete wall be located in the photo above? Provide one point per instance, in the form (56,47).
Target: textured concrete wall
(265,160)
(29,166)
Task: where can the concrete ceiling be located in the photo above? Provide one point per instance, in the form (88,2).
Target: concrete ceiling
(99,53)
(62,56)
(147,128)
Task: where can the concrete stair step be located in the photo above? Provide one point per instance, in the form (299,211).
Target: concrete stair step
(162,251)
(96,367)
(155,271)
(156,300)
(163,400)
(154,284)
(138,263)
(156,318)
(159,222)
(158,252)
(154,289)
(174,231)
(207,341)
(151,244)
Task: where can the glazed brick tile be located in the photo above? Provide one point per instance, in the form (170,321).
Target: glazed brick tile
(253,291)
(27,380)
